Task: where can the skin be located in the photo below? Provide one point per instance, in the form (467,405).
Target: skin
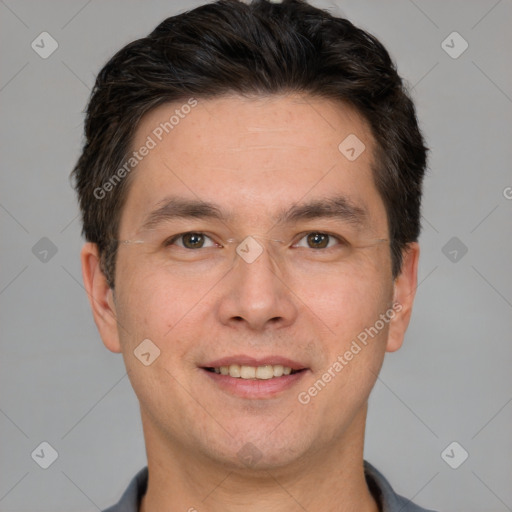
(252,157)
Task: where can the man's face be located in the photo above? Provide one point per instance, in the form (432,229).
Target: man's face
(319,280)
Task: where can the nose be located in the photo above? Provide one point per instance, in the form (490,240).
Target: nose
(257,292)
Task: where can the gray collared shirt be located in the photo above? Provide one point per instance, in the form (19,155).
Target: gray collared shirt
(387,499)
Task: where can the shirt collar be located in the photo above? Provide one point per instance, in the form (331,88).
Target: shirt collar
(387,499)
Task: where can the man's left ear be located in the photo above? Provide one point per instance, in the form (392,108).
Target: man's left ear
(403,297)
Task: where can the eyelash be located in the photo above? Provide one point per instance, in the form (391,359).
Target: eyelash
(170,241)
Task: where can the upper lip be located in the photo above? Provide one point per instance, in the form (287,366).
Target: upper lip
(255,361)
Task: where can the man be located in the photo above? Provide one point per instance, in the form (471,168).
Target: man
(250,188)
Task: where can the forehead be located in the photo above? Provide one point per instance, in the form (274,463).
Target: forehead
(252,156)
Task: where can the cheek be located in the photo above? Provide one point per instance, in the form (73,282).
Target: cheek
(347,309)
(161,307)
(153,309)
(354,340)
(348,300)
(142,309)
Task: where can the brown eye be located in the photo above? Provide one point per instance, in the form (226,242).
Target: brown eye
(321,240)
(193,240)
(318,240)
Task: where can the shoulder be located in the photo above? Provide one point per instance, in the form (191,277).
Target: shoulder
(131,498)
(387,498)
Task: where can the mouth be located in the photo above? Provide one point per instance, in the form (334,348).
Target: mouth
(264,372)
(246,377)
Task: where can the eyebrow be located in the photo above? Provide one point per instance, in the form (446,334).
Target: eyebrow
(180,208)
(338,207)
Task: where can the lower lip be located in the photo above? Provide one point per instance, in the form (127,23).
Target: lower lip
(255,388)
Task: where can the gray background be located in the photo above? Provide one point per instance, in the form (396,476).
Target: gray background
(450,382)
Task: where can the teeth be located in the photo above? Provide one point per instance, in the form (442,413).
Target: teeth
(248,372)
(254,372)
(264,372)
(278,370)
(234,370)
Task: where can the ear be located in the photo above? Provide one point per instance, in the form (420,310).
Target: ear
(101,297)
(404,293)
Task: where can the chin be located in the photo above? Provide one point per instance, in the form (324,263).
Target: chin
(257,451)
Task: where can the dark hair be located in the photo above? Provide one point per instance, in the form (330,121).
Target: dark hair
(259,48)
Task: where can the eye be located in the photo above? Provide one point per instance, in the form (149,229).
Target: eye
(319,240)
(191,240)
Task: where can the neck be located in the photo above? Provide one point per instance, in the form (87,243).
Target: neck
(331,479)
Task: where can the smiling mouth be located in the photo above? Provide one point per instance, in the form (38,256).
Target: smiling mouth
(264,372)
